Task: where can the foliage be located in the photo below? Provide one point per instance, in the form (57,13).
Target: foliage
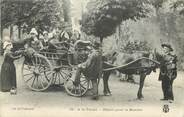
(31,13)
(180,5)
(11,12)
(157,3)
(104,16)
(136,46)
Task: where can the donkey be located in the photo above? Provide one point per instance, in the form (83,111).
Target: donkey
(120,59)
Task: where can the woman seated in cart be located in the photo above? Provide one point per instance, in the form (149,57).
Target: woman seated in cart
(33,41)
(45,40)
(32,44)
(91,68)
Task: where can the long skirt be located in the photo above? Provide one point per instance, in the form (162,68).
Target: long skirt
(7,76)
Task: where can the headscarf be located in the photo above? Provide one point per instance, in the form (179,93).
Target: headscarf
(33,30)
(5,48)
(7,42)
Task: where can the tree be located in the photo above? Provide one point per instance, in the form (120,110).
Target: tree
(34,13)
(46,13)
(103,16)
(14,12)
(180,5)
(66,10)
(157,3)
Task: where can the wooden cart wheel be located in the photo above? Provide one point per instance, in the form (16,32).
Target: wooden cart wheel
(60,74)
(76,90)
(37,72)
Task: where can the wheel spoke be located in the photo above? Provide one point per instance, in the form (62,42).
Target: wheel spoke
(29,79)
(84,83)
(82,87)
(47,79)
(33,81)
(80,92)
(59,78)
(56,78)
(37,82)
(61,75)
(63,72)
(83,80)
(41,69)
(41,81)
(75,90)
(28,74)
(28,69)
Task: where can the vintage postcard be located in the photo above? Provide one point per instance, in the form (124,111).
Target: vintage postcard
(87,58)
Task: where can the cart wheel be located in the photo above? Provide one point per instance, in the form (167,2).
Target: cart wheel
(60,74)
(37,72)
(76,90)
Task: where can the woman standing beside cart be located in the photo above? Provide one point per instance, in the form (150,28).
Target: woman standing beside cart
(8,70)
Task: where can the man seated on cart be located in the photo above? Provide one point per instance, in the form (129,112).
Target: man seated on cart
(91,68)
(58,41)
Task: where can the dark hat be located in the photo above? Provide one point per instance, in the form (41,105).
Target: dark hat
(168,46)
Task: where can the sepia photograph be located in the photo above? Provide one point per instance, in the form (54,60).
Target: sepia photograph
(92,58)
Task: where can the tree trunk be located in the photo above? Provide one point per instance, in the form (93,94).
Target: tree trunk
(101,40)
(101,60)
(1,33)
(19,32)
(1,41)
(11,31)
(66,10)
(158,20)
(118,42)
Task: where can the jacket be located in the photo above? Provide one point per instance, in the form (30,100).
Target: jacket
(93,65)
(168,66)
